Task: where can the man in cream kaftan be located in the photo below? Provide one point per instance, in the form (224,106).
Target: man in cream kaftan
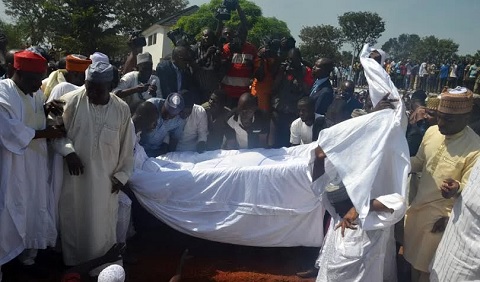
(101,136)
(442,155)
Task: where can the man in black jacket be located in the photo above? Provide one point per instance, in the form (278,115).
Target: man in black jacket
(175,74)
(322,91)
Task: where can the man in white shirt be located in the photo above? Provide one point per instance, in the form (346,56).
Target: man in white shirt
(136,87)
(452,76)
(305,129)
(423,74)
(195,132)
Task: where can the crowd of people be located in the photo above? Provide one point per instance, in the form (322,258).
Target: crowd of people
(70,131)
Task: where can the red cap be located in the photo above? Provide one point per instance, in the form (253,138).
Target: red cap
(29,62)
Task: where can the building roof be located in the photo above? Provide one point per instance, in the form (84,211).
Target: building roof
(172,20)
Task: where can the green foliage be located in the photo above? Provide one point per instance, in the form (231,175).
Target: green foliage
(403,47)
(429,48)
(141,14)
(259,26)
(360,28)
(322,41)
(15,34)
(85,26)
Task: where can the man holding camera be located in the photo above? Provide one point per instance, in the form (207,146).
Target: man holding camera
(292,83)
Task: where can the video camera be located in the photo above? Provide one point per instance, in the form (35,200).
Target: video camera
(180,37)
(224,11)
(272,47)
(136,39)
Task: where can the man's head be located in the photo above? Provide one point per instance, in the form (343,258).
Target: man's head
(173,105)
(145,117)
(454,109)
(218,100)
(144,66)
(227,34)
(418,99)
(99,57)
(188,100)
(322,68)
(347,88)
(247,105)
(295,58)
(29,70)
(380,56)
(306,110)
(208,38)
(76,66)
(98,80)
(9,58)
(181,57)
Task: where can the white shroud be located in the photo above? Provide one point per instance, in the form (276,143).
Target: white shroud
(249,197)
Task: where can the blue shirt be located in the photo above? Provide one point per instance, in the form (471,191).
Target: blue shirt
(444,71)
(317,84)
(152,141)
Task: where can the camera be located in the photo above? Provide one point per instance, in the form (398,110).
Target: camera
(287,66)
(136,39)
(271,46)
(180,37)
(224,11)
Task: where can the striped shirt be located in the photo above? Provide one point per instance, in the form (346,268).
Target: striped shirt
(237,80)
(458,255)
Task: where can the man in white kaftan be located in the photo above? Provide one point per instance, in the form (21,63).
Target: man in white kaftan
(99,157)
(25,221)
(458,255)
(364,184)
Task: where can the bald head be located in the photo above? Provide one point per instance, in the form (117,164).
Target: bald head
(247,101)
(347,88)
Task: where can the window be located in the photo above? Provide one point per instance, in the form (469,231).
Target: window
(150,40)
(154,39)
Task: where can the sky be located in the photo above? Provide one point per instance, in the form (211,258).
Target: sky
(441,18)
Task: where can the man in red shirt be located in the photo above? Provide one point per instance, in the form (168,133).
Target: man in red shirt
(238,62)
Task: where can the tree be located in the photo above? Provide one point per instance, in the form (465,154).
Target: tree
(31,15)
(321,41)
(259,26)
(141,14)
(360,28)
(435,50)
(402,47)
(17,39)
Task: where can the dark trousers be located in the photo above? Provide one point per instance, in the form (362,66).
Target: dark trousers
(282,122)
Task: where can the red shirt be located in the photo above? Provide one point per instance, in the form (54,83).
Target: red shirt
(237,80)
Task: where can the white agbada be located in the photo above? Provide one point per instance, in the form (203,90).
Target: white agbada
(55,178)
(101,135)
(370,155)
(25,222)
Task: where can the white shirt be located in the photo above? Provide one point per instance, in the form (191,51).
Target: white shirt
(423,70)
(300,132)
(453,71)
(130,80)
(195,130)
(240,133)
(60,90)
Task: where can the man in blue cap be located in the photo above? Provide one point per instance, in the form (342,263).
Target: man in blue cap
(169,127)
(99,160)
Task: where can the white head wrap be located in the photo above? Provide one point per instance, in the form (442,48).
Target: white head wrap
(113,273)
(99,72)
(99,57)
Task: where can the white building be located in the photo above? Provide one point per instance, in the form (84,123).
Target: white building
(158,44)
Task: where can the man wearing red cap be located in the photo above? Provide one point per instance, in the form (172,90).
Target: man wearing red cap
(26,224)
